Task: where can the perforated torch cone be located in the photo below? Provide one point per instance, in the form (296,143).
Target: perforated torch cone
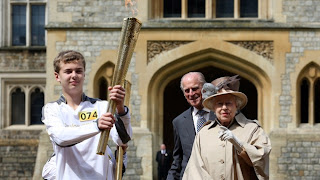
(128,38)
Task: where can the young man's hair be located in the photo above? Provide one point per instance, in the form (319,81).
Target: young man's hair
(68,57)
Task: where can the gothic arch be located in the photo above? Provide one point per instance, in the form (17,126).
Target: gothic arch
(34,87)
(105,72)
(102,67)
(172,64)
(310,73)
(309,60)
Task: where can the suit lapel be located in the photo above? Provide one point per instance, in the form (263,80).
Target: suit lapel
(188,124)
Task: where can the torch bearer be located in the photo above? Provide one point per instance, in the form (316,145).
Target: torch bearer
(128,38)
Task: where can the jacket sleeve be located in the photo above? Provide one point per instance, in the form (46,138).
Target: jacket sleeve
(49,169)
(175,170)
(65,135)
(195,168)
(122,131)
(258,149)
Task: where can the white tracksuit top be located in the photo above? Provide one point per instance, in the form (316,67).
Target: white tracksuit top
(75,137)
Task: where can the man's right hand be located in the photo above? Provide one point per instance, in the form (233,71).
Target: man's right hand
(106,121)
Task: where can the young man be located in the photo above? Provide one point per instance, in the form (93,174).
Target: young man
(188,123)
(75,120)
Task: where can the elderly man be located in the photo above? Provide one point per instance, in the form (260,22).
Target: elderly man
(188,123)
(230,146)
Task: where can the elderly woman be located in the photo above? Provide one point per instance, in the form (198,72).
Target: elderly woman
(230,146)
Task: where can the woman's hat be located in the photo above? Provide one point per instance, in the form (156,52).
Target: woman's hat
(222,86)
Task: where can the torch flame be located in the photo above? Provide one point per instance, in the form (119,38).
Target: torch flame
(128,2)
(133,6)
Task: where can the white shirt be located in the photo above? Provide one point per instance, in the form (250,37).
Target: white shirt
(195,117)
(49,169)
(75,137)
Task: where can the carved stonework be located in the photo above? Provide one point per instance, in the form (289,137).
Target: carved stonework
(156,47)
(262,48)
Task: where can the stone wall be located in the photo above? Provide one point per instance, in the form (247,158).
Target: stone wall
(297,154)
(301,41)
(95,11)
(301,11)
(22,60)
(18,151)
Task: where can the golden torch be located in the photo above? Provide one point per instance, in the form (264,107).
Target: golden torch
(128,38)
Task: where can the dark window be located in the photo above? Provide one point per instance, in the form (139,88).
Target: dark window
(37,25)
(18,25)
(248,8)
(17,107)
(103,88)
(317,101)
(172,8)
(196,8)
(37,102)
(224,8)
(304,101)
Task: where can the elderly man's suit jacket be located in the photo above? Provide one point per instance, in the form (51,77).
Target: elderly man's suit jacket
(184,134)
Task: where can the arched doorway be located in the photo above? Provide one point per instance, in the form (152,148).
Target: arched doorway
(102,80)
(175,103)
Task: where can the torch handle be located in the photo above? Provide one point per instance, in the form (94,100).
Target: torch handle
(119,163)
(119,167)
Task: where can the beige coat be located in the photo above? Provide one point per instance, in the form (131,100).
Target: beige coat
(213,159)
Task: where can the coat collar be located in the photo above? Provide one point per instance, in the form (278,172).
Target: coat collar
(84,98)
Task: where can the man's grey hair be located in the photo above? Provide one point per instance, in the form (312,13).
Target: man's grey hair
(201,79)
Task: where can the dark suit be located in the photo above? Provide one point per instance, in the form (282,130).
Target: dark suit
(184,133)
(164,163)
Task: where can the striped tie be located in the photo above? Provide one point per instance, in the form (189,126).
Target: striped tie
(201,119)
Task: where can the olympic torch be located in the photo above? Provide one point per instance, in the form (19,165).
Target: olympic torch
(128,38)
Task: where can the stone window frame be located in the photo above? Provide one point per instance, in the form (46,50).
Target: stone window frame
(27,85)
(8,31)
(263,10)
(311,74)
(105,72)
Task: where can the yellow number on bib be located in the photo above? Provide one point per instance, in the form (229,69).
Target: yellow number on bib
(87,116)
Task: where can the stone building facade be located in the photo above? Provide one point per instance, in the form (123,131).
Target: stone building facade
(276,53)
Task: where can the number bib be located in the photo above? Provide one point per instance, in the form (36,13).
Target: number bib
(88,115)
